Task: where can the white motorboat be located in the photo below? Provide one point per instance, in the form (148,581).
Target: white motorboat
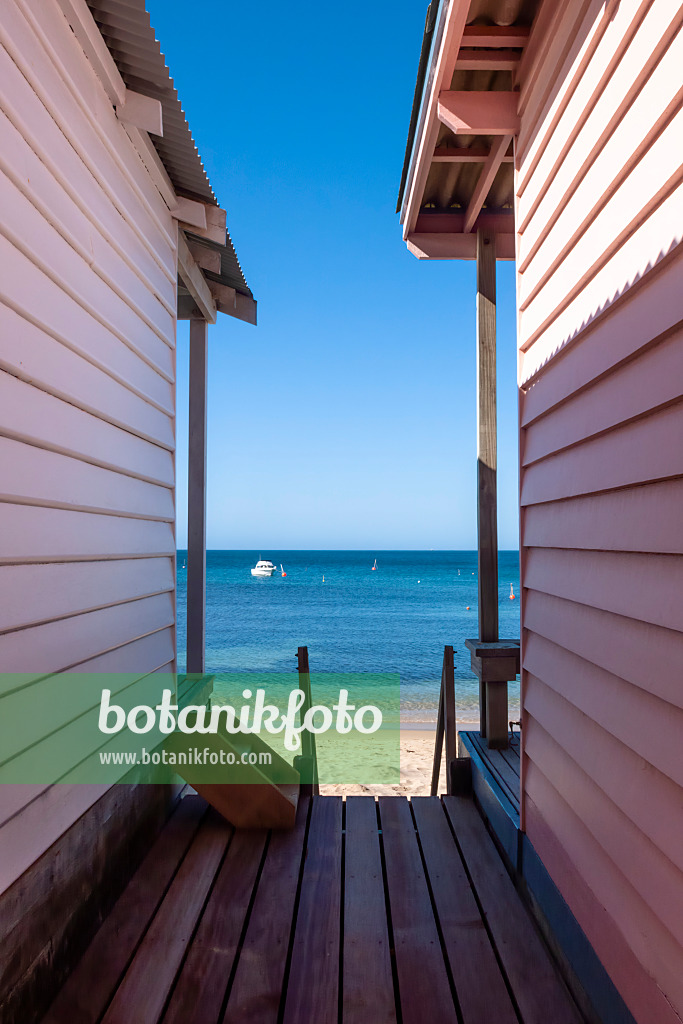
(263,567)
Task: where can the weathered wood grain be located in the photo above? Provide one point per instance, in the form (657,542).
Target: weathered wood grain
(256,990)
(423,983)
(313,985)
(367,982)
(537,987)
(201,987)
(146,985)
(468,948)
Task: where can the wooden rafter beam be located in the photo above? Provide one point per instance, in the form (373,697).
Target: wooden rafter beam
(143,112)
(485,180)
(205,220)
(233,303)
(435,222)
(479,113)
(455,246)
(195,282)
(472,155)
(189,211)
(441,236)
(487,60)
(495,35)
(204,257)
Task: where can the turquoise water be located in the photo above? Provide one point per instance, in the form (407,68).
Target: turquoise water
(396,619)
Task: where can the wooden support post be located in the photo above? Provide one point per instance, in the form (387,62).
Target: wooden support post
(495,663)
(196,498)
(487,518)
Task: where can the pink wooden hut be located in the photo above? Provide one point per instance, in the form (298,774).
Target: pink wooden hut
(109,233)
(552,134)
(363,912)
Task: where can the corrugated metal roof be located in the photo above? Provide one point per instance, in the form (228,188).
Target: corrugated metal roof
(126,29)
(130,38)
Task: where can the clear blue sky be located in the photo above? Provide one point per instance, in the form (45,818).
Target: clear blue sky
(346,419)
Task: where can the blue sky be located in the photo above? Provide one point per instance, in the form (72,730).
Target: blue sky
(346,419)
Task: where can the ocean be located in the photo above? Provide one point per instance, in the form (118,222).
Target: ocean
(395,619)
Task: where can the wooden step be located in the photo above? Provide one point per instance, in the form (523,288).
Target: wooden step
(253,805)
(252,795)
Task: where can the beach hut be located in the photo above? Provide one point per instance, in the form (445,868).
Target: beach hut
(109,233)
(551,134)
(124,903)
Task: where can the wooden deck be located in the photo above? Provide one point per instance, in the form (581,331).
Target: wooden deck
(366,913)
(504,765)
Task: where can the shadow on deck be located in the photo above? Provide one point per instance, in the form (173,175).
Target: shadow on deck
(366,913)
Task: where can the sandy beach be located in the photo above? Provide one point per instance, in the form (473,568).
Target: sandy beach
(417,754)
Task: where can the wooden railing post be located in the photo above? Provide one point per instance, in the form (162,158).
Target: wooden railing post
(306,762)
(446,727)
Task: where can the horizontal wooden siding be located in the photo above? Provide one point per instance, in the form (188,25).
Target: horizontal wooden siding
(87,397)
(600,288)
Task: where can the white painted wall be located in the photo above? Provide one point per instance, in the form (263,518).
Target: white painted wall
(87,394)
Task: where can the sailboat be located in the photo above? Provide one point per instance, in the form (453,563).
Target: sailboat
(374,566)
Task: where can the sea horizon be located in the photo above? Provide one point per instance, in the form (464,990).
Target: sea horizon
(395,619)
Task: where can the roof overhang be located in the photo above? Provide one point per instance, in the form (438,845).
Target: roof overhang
(458,174)
(119,42)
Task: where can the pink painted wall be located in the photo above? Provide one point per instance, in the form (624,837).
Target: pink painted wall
(600,290)
(87,394)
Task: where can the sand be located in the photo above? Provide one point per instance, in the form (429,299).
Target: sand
(417,755)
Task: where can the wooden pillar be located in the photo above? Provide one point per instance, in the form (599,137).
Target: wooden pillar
(196,498)
(487,515)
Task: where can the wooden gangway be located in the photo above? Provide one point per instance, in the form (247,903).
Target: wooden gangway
(367,912)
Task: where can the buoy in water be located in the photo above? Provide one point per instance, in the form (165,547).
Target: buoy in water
(468,608)
(282,570)
(323,579)
(512,593)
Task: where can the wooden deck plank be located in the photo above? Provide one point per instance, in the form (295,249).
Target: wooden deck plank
(538,989)
(142,994)
(507,778)
(257,986)
(424,987)
(85,995)
(511,755)
(499,768)
(367,981)
(470,953)
(203,981)
(313,984)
